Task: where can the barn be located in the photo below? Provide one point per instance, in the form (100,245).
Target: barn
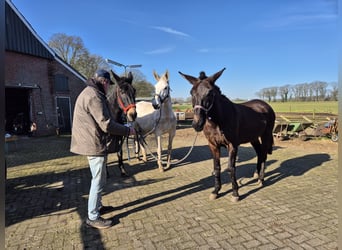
(40,88)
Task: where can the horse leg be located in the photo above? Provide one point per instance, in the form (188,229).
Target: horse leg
(232,152)
(260,169)
(159,152)
(143,152)
(267,142)
(107,171)
(169,150)
(215,151)
(137,147)
(121,164)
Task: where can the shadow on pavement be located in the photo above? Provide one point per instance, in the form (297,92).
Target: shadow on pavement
(64,192)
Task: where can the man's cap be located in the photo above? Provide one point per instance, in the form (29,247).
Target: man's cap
(103,73)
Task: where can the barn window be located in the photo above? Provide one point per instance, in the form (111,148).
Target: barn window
(61,83)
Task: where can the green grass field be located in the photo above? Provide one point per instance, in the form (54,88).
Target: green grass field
(279,107)
(306,107)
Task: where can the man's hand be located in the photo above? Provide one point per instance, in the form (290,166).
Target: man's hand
(131,128)
(132,131)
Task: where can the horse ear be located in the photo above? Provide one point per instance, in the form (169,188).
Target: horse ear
(191,79)
(156,76)
(116,77)
(212,79)
(130,77)
(166,75)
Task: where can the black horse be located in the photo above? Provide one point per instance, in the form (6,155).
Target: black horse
(122,103)
(227,124)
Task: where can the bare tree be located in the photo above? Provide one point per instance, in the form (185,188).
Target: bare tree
(72,50)
(322,90)
(334,91)
(88,64)
(143,88)
(266,93)
(284,92)
(273,93)
(260,95)
(300,91)
(319,90)
(296,91)
(314,91)
(69,48)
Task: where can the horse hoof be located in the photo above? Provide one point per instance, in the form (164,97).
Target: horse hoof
(235,198)
(124,175)
(167,167)
(260,183)
(212,197)
(161,169)
(256,176)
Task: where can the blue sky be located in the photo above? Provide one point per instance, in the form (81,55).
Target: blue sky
(262,43)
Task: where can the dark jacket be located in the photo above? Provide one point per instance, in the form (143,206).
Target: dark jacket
(93,123)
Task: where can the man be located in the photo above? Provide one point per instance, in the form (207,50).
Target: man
(92,126)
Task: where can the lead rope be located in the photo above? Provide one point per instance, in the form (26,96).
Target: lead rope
(141,140)
(148,133)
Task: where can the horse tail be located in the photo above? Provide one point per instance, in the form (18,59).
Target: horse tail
(270,129)
(270,145)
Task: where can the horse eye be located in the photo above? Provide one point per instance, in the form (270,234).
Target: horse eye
(206,101)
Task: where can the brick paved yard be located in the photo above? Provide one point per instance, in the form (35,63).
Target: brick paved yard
(47,188)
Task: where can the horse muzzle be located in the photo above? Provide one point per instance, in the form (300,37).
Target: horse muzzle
(156,103)
(131,114)
(198,123)
(197,127)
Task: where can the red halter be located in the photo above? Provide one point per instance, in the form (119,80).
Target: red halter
(121,104)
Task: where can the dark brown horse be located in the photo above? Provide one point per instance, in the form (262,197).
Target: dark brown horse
(227,124)
(122,103)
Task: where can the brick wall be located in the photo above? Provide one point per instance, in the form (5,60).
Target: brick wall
(40,72)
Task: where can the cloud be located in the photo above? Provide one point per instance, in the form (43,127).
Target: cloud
(204,50)
(299,21)
(215,50)
(312,18)
(303,15)
(170,31)
(159,51)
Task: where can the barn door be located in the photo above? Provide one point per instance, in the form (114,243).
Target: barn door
(64,114)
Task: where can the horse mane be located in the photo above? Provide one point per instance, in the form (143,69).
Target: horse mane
(218,90)
(113,104)
(202,75)
(111,96)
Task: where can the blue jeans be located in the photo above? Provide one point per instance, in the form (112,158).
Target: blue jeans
(98,171)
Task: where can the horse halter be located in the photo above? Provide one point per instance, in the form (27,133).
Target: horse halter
(122,105)
(206,110)
(161,97)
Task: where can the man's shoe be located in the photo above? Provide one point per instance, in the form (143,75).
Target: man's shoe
(99,223)
(105,209)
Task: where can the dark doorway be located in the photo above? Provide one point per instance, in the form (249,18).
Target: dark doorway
(64,118)
(17,110)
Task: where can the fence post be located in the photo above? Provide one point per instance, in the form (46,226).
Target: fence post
(313,114)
